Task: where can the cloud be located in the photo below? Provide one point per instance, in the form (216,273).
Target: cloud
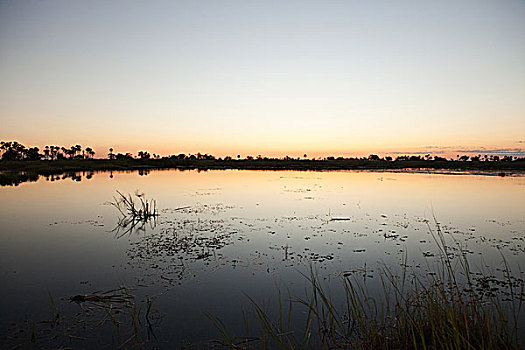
(497,151)
(436,150)
(419,152)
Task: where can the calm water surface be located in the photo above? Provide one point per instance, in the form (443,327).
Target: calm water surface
(222,235)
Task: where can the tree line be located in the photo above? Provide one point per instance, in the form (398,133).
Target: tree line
(14,151)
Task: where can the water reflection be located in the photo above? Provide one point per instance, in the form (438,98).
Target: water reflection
(224,233)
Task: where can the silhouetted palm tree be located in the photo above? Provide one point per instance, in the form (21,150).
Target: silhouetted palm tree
(89,152)
(143,155)
(64,150)
(76,149)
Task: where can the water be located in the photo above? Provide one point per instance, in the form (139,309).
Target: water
(224,235)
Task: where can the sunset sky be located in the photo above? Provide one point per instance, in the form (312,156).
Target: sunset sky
(265,77)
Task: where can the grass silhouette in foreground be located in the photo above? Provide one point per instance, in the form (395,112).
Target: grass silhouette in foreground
(450,308)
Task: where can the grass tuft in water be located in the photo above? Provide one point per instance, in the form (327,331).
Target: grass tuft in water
(135,212)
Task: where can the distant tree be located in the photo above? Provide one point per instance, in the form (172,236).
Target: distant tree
(124,156)
(32,154)
(474,158)
(12,150)
(89,152)
(76,150)
(305,155)
(68,152)
(373,157)
(143,155)
(110,154)
(46,152)
(464,158)
(55,152)
(388,158)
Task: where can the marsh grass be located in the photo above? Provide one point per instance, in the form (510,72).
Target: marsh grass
(138,207)
(136,211)
(450,307)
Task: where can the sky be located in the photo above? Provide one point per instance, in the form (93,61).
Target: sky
(266,77)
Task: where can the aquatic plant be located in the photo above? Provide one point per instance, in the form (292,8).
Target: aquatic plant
(108,319)
(137,207)
(135,212)
(450,307)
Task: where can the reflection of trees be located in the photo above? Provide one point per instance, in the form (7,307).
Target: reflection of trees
(75,176)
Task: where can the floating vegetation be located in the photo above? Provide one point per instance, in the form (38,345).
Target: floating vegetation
(173,250)
(449,308)
(111,319)
(113,297)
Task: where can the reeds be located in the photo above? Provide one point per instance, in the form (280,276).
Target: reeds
(137,207)
(448,308)
(135,212)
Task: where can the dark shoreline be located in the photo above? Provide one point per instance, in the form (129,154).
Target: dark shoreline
(15,172)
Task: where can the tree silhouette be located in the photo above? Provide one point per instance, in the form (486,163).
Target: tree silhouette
(65,151)
(143,155)
(46,152)
(89,152)
(32,154)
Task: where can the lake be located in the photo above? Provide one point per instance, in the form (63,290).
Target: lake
(223,237)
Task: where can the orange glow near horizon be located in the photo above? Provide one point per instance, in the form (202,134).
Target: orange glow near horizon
(270,78)
(449,152)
